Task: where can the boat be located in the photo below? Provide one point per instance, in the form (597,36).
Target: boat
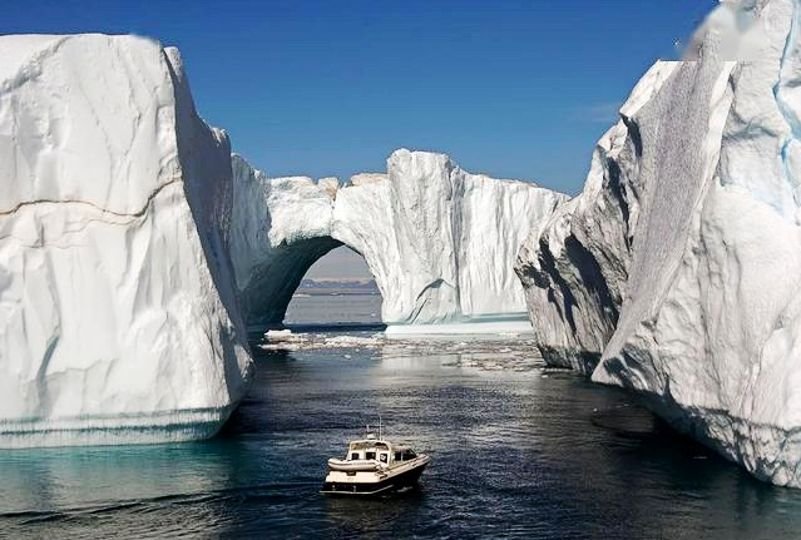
(374,466)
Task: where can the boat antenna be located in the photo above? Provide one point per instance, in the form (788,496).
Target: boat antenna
(380,438)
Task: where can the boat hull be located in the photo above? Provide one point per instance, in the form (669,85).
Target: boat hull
(377,486)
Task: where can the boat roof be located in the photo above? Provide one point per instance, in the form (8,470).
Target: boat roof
(369,442)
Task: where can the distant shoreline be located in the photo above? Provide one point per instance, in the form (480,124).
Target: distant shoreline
(326,286)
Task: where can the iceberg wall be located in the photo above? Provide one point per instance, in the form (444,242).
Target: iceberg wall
(676,272)
(440,242)
(575,270)
(118,313)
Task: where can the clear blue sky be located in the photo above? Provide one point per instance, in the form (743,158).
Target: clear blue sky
(518,89)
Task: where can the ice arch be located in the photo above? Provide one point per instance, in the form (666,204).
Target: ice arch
(440,242)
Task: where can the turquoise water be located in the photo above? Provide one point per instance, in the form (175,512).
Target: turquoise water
(517,451)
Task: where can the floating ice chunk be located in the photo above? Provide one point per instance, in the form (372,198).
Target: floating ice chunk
(274,335)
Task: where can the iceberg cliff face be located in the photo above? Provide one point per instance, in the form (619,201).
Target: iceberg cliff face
(575,271)
(677,269)
(440,242)
(118,315)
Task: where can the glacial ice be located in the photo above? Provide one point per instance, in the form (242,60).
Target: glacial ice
(440,242)
(676,272)
(132,245)
(118,314)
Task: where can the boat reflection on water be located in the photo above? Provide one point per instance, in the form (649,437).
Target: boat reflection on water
(371,515)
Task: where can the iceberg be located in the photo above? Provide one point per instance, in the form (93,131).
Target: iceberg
(675,273)
(118,311)
(134,248)
(440,242)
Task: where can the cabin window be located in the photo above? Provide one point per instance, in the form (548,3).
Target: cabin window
(354,456)
(398,456)
(369,455)
(383,457)
(409,454)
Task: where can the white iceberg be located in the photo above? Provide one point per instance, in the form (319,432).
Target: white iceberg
(440,242)
(678,268)
(118,317)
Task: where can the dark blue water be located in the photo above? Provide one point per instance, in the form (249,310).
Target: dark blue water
(517,452)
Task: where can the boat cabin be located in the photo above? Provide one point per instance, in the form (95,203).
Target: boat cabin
(372,449)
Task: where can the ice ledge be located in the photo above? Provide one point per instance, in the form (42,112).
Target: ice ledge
(159,427)
(505,323)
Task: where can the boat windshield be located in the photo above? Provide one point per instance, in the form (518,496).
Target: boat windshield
(405,454)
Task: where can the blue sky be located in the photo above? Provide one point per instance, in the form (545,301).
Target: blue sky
(516,89)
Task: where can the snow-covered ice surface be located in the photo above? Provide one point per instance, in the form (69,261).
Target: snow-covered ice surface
(118,317)
(677,270)
(440,242)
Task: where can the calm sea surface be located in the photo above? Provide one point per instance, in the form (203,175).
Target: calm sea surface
(518,451)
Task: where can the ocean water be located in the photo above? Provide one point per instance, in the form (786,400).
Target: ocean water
(346,307)
(517,451)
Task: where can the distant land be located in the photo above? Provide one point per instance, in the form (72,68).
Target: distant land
(337,286)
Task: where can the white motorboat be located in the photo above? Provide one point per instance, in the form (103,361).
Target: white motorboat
(374,466)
